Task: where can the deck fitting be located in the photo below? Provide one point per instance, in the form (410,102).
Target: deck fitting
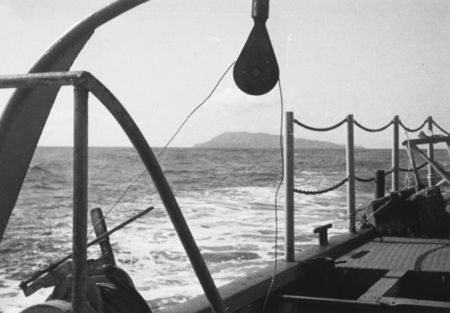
(323,233)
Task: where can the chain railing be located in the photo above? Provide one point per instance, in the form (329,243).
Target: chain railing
(318,192)
(441,129)
(413,130)
(351,178)
(411,169)
(317,129)
(359,179)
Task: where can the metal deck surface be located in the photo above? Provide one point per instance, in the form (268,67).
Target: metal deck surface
(390,253)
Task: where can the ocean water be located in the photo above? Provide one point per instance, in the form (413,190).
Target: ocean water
(227,198)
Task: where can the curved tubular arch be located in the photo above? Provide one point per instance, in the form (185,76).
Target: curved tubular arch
(87,82)
(165,192)
(27,111)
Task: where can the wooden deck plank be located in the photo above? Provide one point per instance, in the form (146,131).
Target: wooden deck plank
(377,291)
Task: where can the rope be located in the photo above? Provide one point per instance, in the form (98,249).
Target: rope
(410,169)
(413,130)
(441,129)
(371,129)
(369,205)
(379,209)
(276,197)
(320,129)
(176,133)
(317,192)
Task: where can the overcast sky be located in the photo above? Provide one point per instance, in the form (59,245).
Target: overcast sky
(372,59)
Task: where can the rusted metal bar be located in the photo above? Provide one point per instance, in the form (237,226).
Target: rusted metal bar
(165,192)
(80,197)
(350,151)
(395,155)
(99,223)
(289,187)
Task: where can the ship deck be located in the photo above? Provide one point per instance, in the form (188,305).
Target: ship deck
(408,254)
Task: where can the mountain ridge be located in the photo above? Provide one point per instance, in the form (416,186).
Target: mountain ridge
(233,140)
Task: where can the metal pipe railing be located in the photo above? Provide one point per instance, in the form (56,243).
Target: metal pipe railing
(289,187)
(147,157)
(80,199)
(431,172)
(396,155)
(350,154)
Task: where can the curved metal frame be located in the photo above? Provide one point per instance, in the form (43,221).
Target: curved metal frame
(88,83)
(26,113)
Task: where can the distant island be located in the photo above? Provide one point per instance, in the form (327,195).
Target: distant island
(262,141)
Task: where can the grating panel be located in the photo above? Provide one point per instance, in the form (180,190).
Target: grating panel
(400,253)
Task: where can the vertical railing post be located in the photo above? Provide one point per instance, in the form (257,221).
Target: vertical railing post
(431,173)
(289,187)
(350,151)
(395,155)
(80,181)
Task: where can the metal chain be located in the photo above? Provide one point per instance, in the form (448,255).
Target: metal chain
(442,130)
(320,129)
(317,192)
(371,129)
(410,169)
(364,180)
(367,180)
(413,130)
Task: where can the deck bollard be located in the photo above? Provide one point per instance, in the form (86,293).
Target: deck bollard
(323,233)
(379,184)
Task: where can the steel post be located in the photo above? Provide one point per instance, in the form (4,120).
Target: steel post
(289,187)
(431,172)
(80,196)
(395,155)
(350,153)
